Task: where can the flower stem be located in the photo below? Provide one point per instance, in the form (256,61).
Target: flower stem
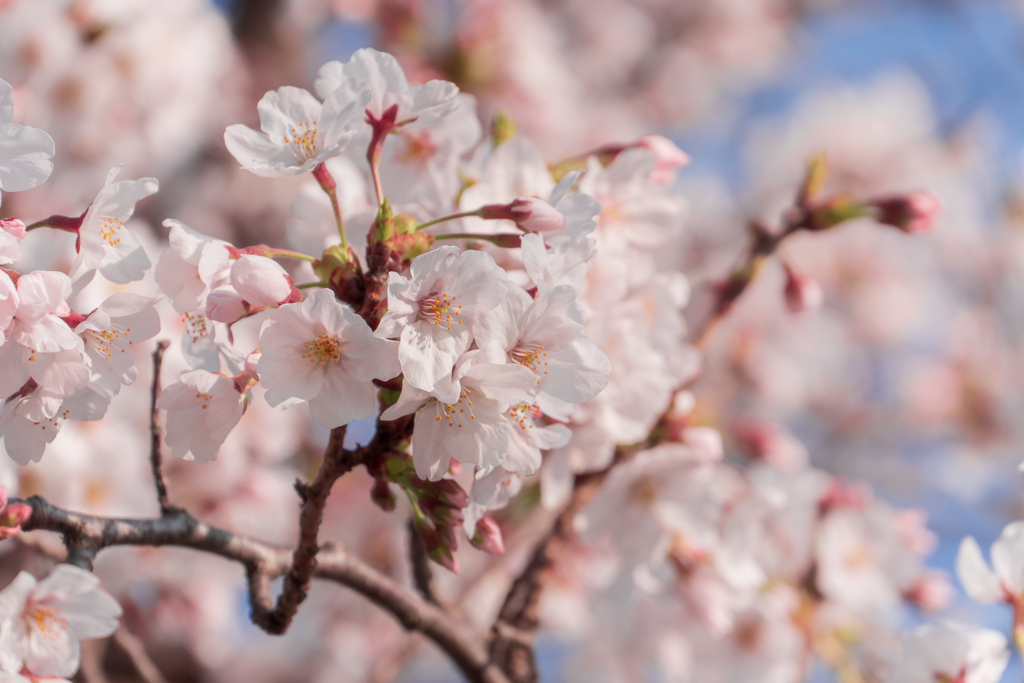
(65,223)
(284,253)
(506,240)
(323,176)
(442,219)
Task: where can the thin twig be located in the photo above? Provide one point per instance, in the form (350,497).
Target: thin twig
(154,432)
(136,652)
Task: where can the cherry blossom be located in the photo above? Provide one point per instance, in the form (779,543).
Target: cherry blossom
(388,88)
(42,622)
(470,426)
(1003,581)
(261,281)
(25,152)
(202,409)
(950,652)
(104,243)
(320,351)
(191,266)
(110,332)
(433,312)
(299,133)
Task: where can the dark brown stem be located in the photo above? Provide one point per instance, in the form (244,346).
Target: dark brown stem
(514,630)
(337,461)
(154,432)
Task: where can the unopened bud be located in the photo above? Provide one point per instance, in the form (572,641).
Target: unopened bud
(803,293)
(261,281)
(441,514)
(932,592)
(449,492)
(533,214)
(912,213)
(384,226)
(382,495)
(405,224)
(488,537)
(224,305)
(772,444)
(13,227)
(12,517)
(444,557)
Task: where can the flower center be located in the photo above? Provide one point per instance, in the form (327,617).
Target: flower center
(530,356)
(303,140)
(105,343)
(48,621)
(454,413)
(419,147)
(524,415)
(109,227)
(205,398)
(195,325)
(439,309)
(322,350)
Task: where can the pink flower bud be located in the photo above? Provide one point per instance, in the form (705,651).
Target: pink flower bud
(261,281)
(12,517)
(932,592)
(533,214)
(803,293)
(13,227)
(669,157)
(488,537)
(772,444)
(705,441)
(912,213)
(224,305)
(382,495)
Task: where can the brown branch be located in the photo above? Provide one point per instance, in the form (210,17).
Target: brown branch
(337,461)
(513,632)
(154,432)
(86,535)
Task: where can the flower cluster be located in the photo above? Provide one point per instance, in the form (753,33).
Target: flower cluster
(506,324)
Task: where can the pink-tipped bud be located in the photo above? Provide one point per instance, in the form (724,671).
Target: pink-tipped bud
(706,443)
(441,514)
(773,445)
(488,537)
(933,592)
(803,293)
(261,281)
(12,517)
(533,214)
(669,157)
(912,213)
(224,305)
(13,227)
(444,557)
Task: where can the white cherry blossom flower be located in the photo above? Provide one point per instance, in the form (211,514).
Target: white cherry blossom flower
(950,652)
(470,427)
(322,352)
(1004,580)
(104,242)
(42,296)
(545,335)
(25,152)
(381,74)
(33,418)
(109,334)
(433,312)
(191,267)
(8,304)
(299,133)
(42,622)
(202,409)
